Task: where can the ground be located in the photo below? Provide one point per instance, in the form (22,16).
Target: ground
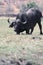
(23,49)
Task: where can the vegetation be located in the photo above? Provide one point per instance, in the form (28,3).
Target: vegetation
(33,4)
(29,47)
(24,8)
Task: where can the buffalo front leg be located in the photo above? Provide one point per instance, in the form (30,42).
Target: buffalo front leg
(27,31)
(31,30)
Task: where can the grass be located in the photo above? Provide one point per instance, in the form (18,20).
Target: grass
(25,46)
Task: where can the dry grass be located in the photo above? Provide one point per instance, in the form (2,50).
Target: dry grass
(25,46)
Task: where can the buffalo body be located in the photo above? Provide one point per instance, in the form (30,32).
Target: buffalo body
(27,21)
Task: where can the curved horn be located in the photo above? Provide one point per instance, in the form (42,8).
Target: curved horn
(18,20)
(24,22)
(8,21)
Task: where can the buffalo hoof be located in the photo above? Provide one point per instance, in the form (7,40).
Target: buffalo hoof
(28,63)
(29,33)
(17,33)
(41,33)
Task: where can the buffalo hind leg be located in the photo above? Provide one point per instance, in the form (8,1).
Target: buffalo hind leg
(40,26)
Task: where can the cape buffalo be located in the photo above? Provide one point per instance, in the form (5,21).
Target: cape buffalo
(26,21)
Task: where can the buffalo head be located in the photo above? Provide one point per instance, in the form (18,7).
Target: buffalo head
(18,25)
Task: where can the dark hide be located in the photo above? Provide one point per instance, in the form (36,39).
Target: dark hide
(27,21)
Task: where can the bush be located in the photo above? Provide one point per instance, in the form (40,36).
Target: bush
(24,8)
(31,5)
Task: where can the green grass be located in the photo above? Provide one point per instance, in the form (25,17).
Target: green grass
(21,45)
